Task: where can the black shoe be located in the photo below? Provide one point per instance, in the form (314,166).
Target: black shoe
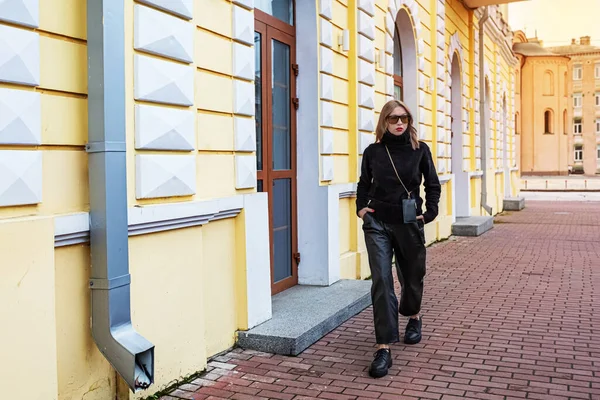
(413,331)
(381,363)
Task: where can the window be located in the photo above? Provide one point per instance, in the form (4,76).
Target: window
(565,122)
(577,127)
(280,9)
(548,117)
(597,125)
(578,152)
(577,100)
(398,92)
(597,71)
(598,152)
(577,72)
(597,99)
(548,83)
(566,83)
(517,123)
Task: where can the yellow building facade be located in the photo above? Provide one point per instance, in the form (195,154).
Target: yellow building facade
(166,166)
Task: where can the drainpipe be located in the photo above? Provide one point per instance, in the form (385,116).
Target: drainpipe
(483,123)
(131,355)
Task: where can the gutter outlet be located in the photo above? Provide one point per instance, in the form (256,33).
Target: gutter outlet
(130,354)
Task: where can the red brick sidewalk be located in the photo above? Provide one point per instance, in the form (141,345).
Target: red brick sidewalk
(514,314)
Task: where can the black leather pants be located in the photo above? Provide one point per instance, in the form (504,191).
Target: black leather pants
(407,242)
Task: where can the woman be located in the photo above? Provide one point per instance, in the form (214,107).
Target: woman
(389,202)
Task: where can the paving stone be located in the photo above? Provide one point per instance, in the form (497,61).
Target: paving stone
(511,314)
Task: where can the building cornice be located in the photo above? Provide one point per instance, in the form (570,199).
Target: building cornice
(496,28)
(74,229)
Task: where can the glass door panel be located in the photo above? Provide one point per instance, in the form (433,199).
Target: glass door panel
(281,106)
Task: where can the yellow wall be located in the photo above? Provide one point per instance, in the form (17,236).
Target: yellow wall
(29,338)
(178,276)
(83,372)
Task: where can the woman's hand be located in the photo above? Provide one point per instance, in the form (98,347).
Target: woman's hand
(363,211)
(420,218)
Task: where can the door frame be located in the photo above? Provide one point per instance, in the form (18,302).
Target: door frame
(270,29)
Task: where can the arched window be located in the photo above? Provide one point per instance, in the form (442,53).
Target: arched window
(517,123)
(398,92)
(548,119)
(565,122)
(548,83)
(566,86)
(405,63)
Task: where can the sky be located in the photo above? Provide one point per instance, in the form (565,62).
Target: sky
(556,21)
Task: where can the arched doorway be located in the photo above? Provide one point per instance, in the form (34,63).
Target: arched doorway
(461,177)
(405,63)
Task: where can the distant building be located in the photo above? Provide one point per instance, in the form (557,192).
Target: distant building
(558,107)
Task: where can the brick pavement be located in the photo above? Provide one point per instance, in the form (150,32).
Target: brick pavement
(513,314)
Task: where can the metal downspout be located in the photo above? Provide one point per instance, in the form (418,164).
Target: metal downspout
(131,355)
(483,123)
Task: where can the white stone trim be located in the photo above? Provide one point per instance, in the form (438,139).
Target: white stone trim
(367,6)
(243,25)
(258,257)
(366,96)
(243,98)
(326,114)
(326,87)
(326,60)
(325,32)
(21,49)
(325,8)
(243,61)
(20,117)
(20,177)
(334,193)
(161,81)
(159,33)
(366,139)
(445,178)
(70,229)
(74,228)
(165,175)
(245,171)
(249,4)
(182,8)
(366,48)
(326,141)
(21,12)
(162,128)
(327,169)
(244,134)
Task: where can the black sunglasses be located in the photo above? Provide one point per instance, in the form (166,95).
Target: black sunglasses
(393,119)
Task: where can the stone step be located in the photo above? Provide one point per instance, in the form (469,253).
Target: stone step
(514,203)
(472,226)
(304,314)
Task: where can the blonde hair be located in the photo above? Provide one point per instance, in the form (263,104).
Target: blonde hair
(386,111)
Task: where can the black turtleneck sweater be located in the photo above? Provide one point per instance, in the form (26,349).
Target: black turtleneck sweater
(379,187)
